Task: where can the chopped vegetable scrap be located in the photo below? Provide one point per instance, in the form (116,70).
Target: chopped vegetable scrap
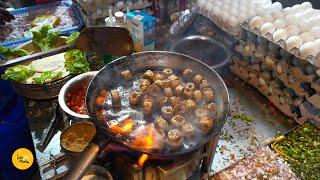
(243,117)
(263,164)
(8,52)
(72,39)
(45,38)
(18,73)
(302,150)
(76,62)
(46,76)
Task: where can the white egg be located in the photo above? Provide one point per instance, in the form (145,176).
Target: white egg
(277,15)
(313,21)
(307,49)
(299,16)
(234,12)
(296,7)
(217,3)
(233,22)
(214,13)
(306,5)
(225,7)
(308,13)
(280,24)
(304,26)
(251,13)
(293,42)
(260,10)
(317,43)
(306,37)
(267,18)
(267,28)
(224,17)
(279,34)
(201,4)
(208,9)
(227,2)
(287,11)
(242,17)
(290,19)
(315,31)
(256,22)
(277,5)
(292,30)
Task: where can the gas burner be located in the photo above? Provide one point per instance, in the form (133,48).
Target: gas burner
(124,165)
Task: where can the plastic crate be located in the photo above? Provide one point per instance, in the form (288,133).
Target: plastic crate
(66,31)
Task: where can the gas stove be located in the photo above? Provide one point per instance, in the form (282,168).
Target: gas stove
(123,165)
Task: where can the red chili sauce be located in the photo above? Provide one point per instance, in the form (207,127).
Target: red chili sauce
(76,100)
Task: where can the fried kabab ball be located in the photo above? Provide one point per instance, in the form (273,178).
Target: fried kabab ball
(167,111)
(174,138)
(190,86)
(174,100)
(116,99)
(188,94)
(197,95)
(208,94)
(148,75)
(212,109)
(179,109)
(179,90)
(201,112)
(144,84)
(147,105)
(161,100)
(175,83)
(190,104)
(204,84)
(100,100)
(158,76)
(127,75)
(197,79)
(153,90)
(159,83)
(177,121)
(188,73)
(205,124)
(168,92)
(188,130)
(134,98)
(167,72)
(161,123)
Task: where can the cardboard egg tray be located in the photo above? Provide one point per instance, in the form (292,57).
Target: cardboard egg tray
(291,83)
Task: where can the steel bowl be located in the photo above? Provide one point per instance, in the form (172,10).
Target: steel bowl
(205,49)
(73,85)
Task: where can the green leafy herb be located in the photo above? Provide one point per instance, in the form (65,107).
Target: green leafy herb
(72,38)
(303,146)
(7,52)
(18,73)
(45,38)
(76,62)
(47,75)
(243,117)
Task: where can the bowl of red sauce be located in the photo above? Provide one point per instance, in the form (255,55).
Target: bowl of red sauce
(73,94)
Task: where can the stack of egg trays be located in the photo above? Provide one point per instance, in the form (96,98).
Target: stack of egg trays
(93,10)
(291,83)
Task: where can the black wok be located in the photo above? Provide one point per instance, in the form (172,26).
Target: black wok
(109,77)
